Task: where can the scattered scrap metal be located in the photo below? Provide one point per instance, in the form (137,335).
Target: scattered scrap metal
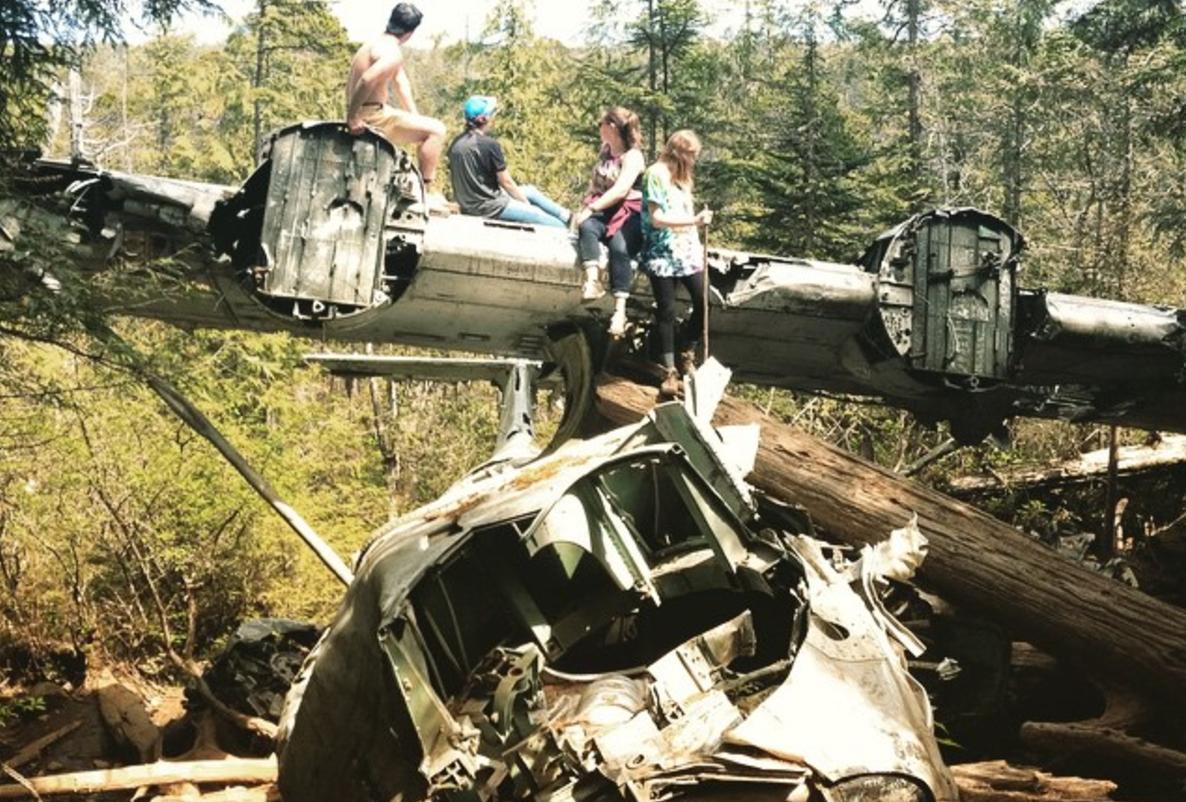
(623,626)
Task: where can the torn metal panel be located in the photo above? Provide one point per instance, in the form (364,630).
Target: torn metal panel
(1094,341)
(704,389)
(705,450)
(694,668)
(740,445)
(600,623)
(847,707)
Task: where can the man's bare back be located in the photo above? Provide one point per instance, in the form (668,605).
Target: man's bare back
(376,72)
(372,70)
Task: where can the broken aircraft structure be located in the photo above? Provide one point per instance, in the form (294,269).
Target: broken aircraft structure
(329,238)
(614,621)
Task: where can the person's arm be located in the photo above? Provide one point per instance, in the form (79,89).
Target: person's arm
(664,219)
(632,167)
(507,183)
(371,83)
(403,90)
(655,191)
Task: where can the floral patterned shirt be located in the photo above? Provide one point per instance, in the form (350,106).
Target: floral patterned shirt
(668,252)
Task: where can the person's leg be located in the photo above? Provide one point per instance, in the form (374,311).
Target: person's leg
(404,128)
(621,274)
(695,287)
(694,328)
(549,206)
(589,251)
(589,239)
(663,288)
(617,321)
(516,211)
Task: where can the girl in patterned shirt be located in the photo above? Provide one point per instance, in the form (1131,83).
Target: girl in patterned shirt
(671,252)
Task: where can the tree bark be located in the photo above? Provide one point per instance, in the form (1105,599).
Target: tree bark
(1102,744)
(974,559)
(257,112)
(914,100)
(1131,460)
(997,781)
(128,721)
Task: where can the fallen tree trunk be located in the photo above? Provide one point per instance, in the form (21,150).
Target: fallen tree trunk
(237,770)
(33,750)
(997,781)
(262,793)
(1096,744)
(127,720)
(1131,460)
(974,559)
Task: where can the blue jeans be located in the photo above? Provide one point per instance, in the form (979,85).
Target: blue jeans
(540,210)
(623,245)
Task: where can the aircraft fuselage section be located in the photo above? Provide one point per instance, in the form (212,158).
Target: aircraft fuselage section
(330,239)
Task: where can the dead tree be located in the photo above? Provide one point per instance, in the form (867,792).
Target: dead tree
(1169,453)
(974,559)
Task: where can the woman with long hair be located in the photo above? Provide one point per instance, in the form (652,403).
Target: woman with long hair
(671,253)
(610,213)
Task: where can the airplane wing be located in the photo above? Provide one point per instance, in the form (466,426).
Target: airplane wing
(412,368)
(330,239)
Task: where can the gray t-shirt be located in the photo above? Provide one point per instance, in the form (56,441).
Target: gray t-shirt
(475,160)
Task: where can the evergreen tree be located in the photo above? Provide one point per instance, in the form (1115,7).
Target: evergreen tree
(38,41)
(289,60)
(647,60)
(807,158)
(541,119)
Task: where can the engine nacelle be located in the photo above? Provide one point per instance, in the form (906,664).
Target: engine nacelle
(328,225)
(947,294)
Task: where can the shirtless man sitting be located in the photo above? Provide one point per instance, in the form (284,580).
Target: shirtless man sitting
(375,67)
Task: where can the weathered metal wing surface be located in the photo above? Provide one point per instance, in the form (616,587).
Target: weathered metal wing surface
(1106,360)
(330,238)
(449,370)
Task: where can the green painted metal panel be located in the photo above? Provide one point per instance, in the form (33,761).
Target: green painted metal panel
(963,296)
(324,218)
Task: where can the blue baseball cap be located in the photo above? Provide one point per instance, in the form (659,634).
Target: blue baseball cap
(477,106)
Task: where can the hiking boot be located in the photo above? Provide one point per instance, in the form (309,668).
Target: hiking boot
(670,386)
(686,361)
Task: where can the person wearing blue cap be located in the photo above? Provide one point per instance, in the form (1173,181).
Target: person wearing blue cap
(482,184)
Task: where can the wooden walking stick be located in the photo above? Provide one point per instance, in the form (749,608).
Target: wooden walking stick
(704,333)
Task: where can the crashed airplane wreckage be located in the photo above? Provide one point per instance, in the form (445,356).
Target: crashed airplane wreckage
(613,621)
(329,238)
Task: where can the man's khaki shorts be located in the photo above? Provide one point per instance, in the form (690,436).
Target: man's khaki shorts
(393,124)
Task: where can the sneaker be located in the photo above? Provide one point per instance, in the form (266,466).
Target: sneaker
(617,324)
(670,386)
(592,290)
